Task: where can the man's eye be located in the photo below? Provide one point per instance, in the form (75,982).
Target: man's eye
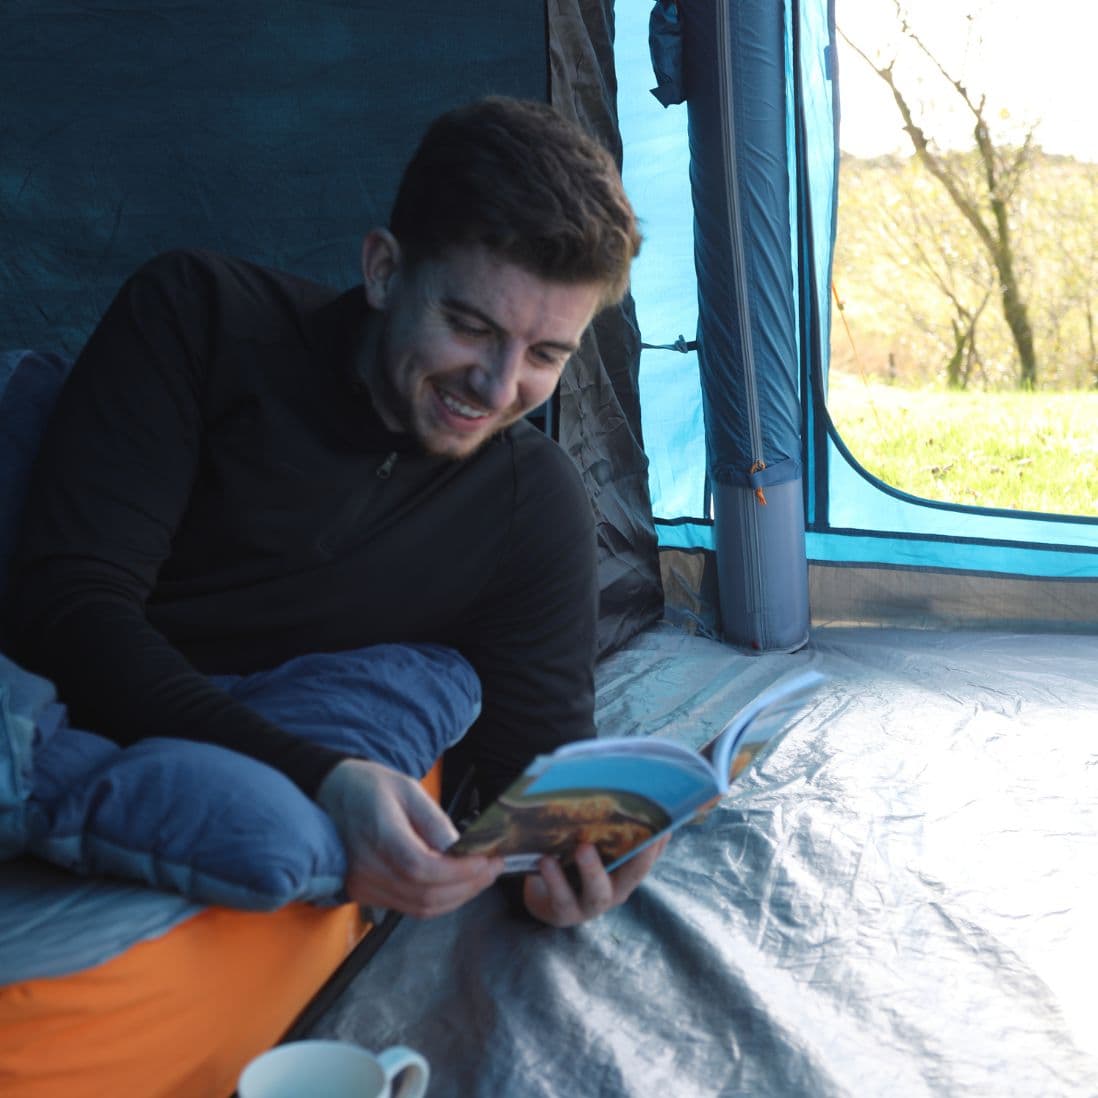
(468,327)
(548,357)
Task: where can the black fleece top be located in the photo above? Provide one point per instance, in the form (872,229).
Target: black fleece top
(217,494)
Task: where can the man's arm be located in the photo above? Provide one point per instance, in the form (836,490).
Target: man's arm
(532,634)
(111,484)
(394,835)
(534,647)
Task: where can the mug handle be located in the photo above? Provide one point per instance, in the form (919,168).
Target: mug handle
(413,1083)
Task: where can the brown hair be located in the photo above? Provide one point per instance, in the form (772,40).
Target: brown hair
(517,178)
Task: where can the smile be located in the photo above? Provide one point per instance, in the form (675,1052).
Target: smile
(459,407)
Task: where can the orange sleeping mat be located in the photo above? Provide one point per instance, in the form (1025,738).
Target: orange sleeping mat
(178,1016)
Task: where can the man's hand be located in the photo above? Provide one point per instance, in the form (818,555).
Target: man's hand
(394,834)
(549,897)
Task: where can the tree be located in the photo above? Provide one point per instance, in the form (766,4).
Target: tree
(984,198)
(929,239)
(916,282)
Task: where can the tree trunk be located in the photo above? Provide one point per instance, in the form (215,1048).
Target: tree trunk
(1000,178)
(1002,255)
(1017,318)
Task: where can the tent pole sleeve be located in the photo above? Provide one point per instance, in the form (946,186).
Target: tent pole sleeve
(737,82)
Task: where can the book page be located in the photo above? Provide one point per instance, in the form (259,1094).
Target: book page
(758,725)
(622,793)
(615,800)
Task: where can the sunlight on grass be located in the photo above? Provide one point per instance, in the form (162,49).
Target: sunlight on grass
(1022,451)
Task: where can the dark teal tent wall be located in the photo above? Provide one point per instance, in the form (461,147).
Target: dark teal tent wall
(274,130)
(600,416)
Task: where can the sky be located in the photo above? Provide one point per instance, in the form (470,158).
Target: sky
(1035,61)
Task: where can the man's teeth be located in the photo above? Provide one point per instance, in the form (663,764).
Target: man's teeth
(459,407)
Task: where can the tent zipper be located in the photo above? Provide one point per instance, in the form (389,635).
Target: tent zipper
(735,229)
(385,469)
(750,540)
(329,541)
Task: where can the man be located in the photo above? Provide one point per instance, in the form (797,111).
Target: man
(245,467)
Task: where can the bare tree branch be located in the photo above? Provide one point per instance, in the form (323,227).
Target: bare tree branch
(1002,173)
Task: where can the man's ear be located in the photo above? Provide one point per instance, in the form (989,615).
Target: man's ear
(380,265)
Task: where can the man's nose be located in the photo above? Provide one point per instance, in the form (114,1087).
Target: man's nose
(500,376)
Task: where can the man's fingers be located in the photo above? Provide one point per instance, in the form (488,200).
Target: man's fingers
(551,898)
(430,822)
(394,833)
(627,877)
(597,894)
(421,905)
(424,868)
(433,890)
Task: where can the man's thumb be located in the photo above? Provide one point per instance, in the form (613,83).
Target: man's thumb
(430,822)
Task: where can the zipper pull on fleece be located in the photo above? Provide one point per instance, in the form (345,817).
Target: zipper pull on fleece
(385,469)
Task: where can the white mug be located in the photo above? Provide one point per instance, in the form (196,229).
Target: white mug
(333,1069)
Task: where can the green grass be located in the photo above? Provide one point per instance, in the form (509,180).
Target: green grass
(1022,451)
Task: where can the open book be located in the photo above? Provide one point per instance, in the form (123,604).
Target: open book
(622,793)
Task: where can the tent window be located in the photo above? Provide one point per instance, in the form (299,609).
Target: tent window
(964,342)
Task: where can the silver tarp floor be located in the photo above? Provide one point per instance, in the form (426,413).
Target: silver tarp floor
(902,900)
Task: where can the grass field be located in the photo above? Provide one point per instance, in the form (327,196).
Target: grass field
(1023,451)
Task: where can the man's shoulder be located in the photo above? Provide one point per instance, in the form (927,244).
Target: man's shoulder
(548,484)
(536,455)
(212,292)
(200,268)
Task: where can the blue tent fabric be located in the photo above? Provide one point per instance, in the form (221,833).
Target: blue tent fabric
(738,166)
(598,399)
(665,42)
(280,139)
(739,111)
(321,160)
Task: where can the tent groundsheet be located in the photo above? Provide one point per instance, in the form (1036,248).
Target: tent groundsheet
(900,900)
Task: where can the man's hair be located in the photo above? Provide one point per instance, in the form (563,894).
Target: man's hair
(515,177)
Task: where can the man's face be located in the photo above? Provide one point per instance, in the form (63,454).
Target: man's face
(470,343)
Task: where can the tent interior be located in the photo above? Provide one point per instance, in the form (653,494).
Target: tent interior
(901,897)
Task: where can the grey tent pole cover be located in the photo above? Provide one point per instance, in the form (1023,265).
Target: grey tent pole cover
(762,573)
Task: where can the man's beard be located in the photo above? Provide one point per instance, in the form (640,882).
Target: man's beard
(374,376)
(389,399)
(394,404)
